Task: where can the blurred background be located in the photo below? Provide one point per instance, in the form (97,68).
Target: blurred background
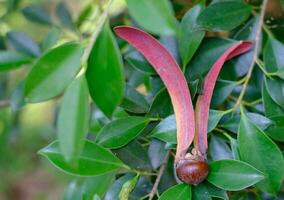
(24,129)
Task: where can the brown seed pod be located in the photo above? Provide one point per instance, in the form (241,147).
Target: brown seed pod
(192,171)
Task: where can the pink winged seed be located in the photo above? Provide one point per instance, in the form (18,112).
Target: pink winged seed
(203,101)
(173,78)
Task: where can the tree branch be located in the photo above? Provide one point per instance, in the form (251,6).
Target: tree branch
(158,179)
(255,53)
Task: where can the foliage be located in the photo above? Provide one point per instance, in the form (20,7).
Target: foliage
(116,130)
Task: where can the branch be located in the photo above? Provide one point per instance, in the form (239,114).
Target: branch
(255,53)
(98,29)
(158,179)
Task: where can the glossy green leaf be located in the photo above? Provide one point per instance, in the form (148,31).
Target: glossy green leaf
(121,131)
(157,153)
(53,72)
(261,121)
(207,191)
(89,188)
(177,192)
(73,120)
(114,190)
(233,175)
(137,61)
(276,129)
(161,106)
(104,73)
(127,188)
(271,108)
(214,117)
(224,16)
(12,60)
(222,90)
(275,88)
(64,15)
(50,39)
(166,130)
(258,150)
(155,16)
(97,185)
(17,99)
(134,101)
(135,155)
(208,52)
(94,160)
(280,73)
(273,48)
(218,149)
(189,39)
(23,43)
(37,14)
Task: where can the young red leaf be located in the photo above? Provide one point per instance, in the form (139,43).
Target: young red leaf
(203,101)
(173,78)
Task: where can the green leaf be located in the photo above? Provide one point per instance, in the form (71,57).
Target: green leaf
(224,16)
(276,129)
(272,59)
(36,14)
(135,155)
(177,192)
(97,185)
(258,150)
(11,60)
(189,39)
(134,101)
(261,121)
(53,72)
(50,39)
(155,16)
(116,187)
(17,99)
(161,106)
(208,52)
(218,149)
(64,15)
(280,73)
(157,153)
(166,130)
(73,120)
(88,188)
(271,108)
(233,175)
(94,160)
(121,131)
(105,72)
(137,61)
(23,43)
(207,191)
(222,90)
(127,188)
(275,88)
(214,117)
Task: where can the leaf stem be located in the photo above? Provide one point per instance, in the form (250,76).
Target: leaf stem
(158,179)
(255,54)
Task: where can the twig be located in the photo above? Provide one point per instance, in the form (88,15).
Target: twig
(92,40)
(158,179)
(255,54)
(4,103)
